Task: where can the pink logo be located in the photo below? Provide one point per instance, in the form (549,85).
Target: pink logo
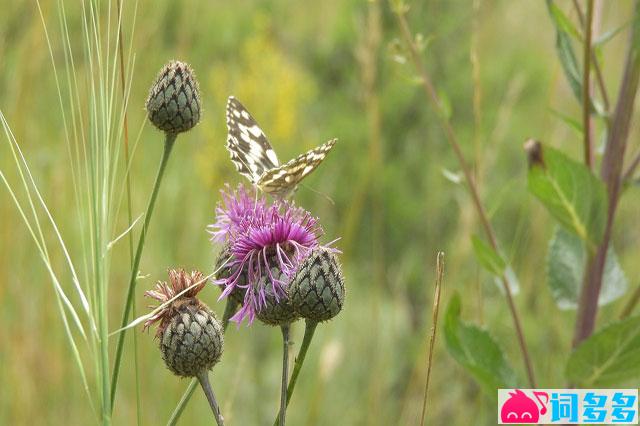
(519,408)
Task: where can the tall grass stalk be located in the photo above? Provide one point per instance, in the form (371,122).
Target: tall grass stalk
(91,121)
(434,329)
(130,222)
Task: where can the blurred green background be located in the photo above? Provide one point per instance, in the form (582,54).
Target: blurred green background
(308,72)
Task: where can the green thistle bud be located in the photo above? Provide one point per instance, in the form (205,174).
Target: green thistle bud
(277,310)
(192,341)
(225,272)
(191,338)
(317,290)
(174,100)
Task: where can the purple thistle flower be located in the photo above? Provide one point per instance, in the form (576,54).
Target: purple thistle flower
(233,209)
(266,241)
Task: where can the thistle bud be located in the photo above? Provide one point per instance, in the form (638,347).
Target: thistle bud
(224,272)
(174,101)
(191,338)
(317,290)
(275,309)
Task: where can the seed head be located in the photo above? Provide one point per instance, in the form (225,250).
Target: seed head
(191,339)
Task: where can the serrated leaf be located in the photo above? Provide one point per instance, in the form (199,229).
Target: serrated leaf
(607,358)
(566,262)
(488,257)
(476,351)
(571,193)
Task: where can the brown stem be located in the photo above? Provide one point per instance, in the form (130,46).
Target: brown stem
(586,87)
(611,174)
(595,62)
(468,174)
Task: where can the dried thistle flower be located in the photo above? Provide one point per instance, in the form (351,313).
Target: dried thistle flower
(191,338)
(317,290)
(174,100)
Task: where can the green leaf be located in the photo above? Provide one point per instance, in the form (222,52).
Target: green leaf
(571,194)
(565,50)
(569,121)
(476,351)
(604,38)
(488,257)
(562,21)
(566,261)
(607,358)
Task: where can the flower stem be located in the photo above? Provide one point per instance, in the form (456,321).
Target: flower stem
(611,173)
(434,98)
(285,374)
(170,138)
(229,310)
(309,330)
(203,378)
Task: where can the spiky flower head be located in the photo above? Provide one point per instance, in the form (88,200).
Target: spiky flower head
(174,99)
(191,338)
(317,290)
(267,242)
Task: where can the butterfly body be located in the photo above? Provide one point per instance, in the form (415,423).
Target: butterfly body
(254,158)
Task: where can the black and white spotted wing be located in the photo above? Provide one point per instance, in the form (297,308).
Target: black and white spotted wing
(254,157)
(250,150)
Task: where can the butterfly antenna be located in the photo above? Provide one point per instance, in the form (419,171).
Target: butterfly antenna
(323,194)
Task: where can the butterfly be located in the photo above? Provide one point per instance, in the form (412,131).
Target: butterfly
(255,159)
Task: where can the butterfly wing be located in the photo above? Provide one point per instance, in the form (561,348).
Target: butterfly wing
(250,150)
(283,179)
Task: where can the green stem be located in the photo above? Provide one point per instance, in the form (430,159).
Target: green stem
(203,378)
(309,330)
(170,138)
(177,412)
(285,373)
(229,310)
